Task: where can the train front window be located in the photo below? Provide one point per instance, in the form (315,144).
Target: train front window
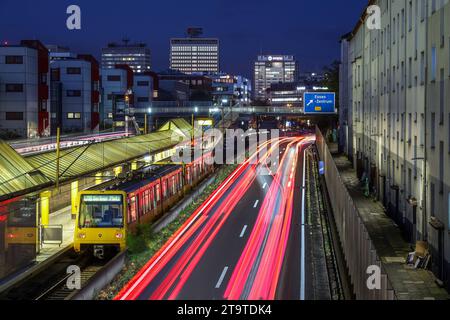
(101,211)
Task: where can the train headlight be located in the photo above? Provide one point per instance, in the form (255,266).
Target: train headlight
(119,235)
(82,235)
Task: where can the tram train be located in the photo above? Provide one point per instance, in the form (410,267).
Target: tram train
(104,217)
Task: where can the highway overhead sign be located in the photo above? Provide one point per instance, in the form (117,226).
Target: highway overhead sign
(320,102)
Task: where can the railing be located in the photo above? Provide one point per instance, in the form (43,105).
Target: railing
(211,109)
(359,250)
(52,234)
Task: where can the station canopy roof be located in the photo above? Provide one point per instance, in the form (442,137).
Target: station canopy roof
(19,175)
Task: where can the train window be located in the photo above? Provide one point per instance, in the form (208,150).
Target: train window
(146,201)
(101,211)
(152,198)
(174,188)
(158,193)
(132,215)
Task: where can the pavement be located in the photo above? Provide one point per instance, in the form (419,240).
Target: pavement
(244,242)
(408,283)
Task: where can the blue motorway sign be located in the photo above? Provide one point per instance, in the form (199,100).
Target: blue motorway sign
(320,102)
(321,168)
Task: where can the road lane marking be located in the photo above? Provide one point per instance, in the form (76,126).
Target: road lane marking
(243,231)
(222,277)
(265,185)
(302,254)
(256,204)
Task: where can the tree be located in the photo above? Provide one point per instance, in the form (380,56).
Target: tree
(331,80)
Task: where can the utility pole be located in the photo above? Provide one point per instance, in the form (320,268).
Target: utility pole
(58,142)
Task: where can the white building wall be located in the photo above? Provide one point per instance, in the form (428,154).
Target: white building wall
(26,101)
(401,116)
(75,105)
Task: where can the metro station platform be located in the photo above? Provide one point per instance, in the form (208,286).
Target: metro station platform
(46,253)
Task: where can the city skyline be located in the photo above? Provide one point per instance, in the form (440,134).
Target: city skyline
(285,32)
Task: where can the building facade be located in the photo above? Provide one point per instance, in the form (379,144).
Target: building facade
(229,89)
(116,84)
(24,90)
(194,55)
(136,56)
(74,92)
(395,89)
(287,94)
(273,69)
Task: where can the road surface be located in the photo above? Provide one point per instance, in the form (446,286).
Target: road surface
(246,242)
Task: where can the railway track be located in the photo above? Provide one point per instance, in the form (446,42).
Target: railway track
(49,283)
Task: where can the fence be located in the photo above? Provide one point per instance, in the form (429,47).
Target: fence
(357,246)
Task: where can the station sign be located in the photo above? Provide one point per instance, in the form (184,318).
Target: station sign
(319,102)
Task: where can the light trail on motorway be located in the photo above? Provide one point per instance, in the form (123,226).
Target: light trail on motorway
(232,247)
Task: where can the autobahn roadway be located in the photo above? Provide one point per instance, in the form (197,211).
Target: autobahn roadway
(245,242)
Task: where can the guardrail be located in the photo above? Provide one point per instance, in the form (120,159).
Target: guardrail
(359,250)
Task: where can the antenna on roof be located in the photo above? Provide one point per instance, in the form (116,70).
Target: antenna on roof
(194,32)
(126,40)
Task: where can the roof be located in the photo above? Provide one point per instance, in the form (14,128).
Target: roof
(20,175)
(16,172)
(360,22)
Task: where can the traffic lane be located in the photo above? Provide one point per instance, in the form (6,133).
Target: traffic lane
(289,285)
(163,273)
(161,276)
(209,279)
(258,269)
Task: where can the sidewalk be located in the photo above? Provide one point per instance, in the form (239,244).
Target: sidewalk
(408,283)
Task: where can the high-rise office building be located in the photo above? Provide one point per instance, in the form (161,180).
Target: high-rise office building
(273,69)
(194,54)
(136,56)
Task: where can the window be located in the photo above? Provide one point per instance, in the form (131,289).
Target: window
(14,87)
(73,70)
(74,93)
(14,116)
(114,78)
(410,14)
(433,130)
(13,59)
(422,68)
(433,63)
(73,115)
(449,211)
(423,8)
(441,167)
(432,199)
(101,211)
(441,98)
(143,83)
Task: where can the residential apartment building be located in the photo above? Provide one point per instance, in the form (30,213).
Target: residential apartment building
(117,85)
(273,69)
(395,110)
(74,92)
(24,111)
